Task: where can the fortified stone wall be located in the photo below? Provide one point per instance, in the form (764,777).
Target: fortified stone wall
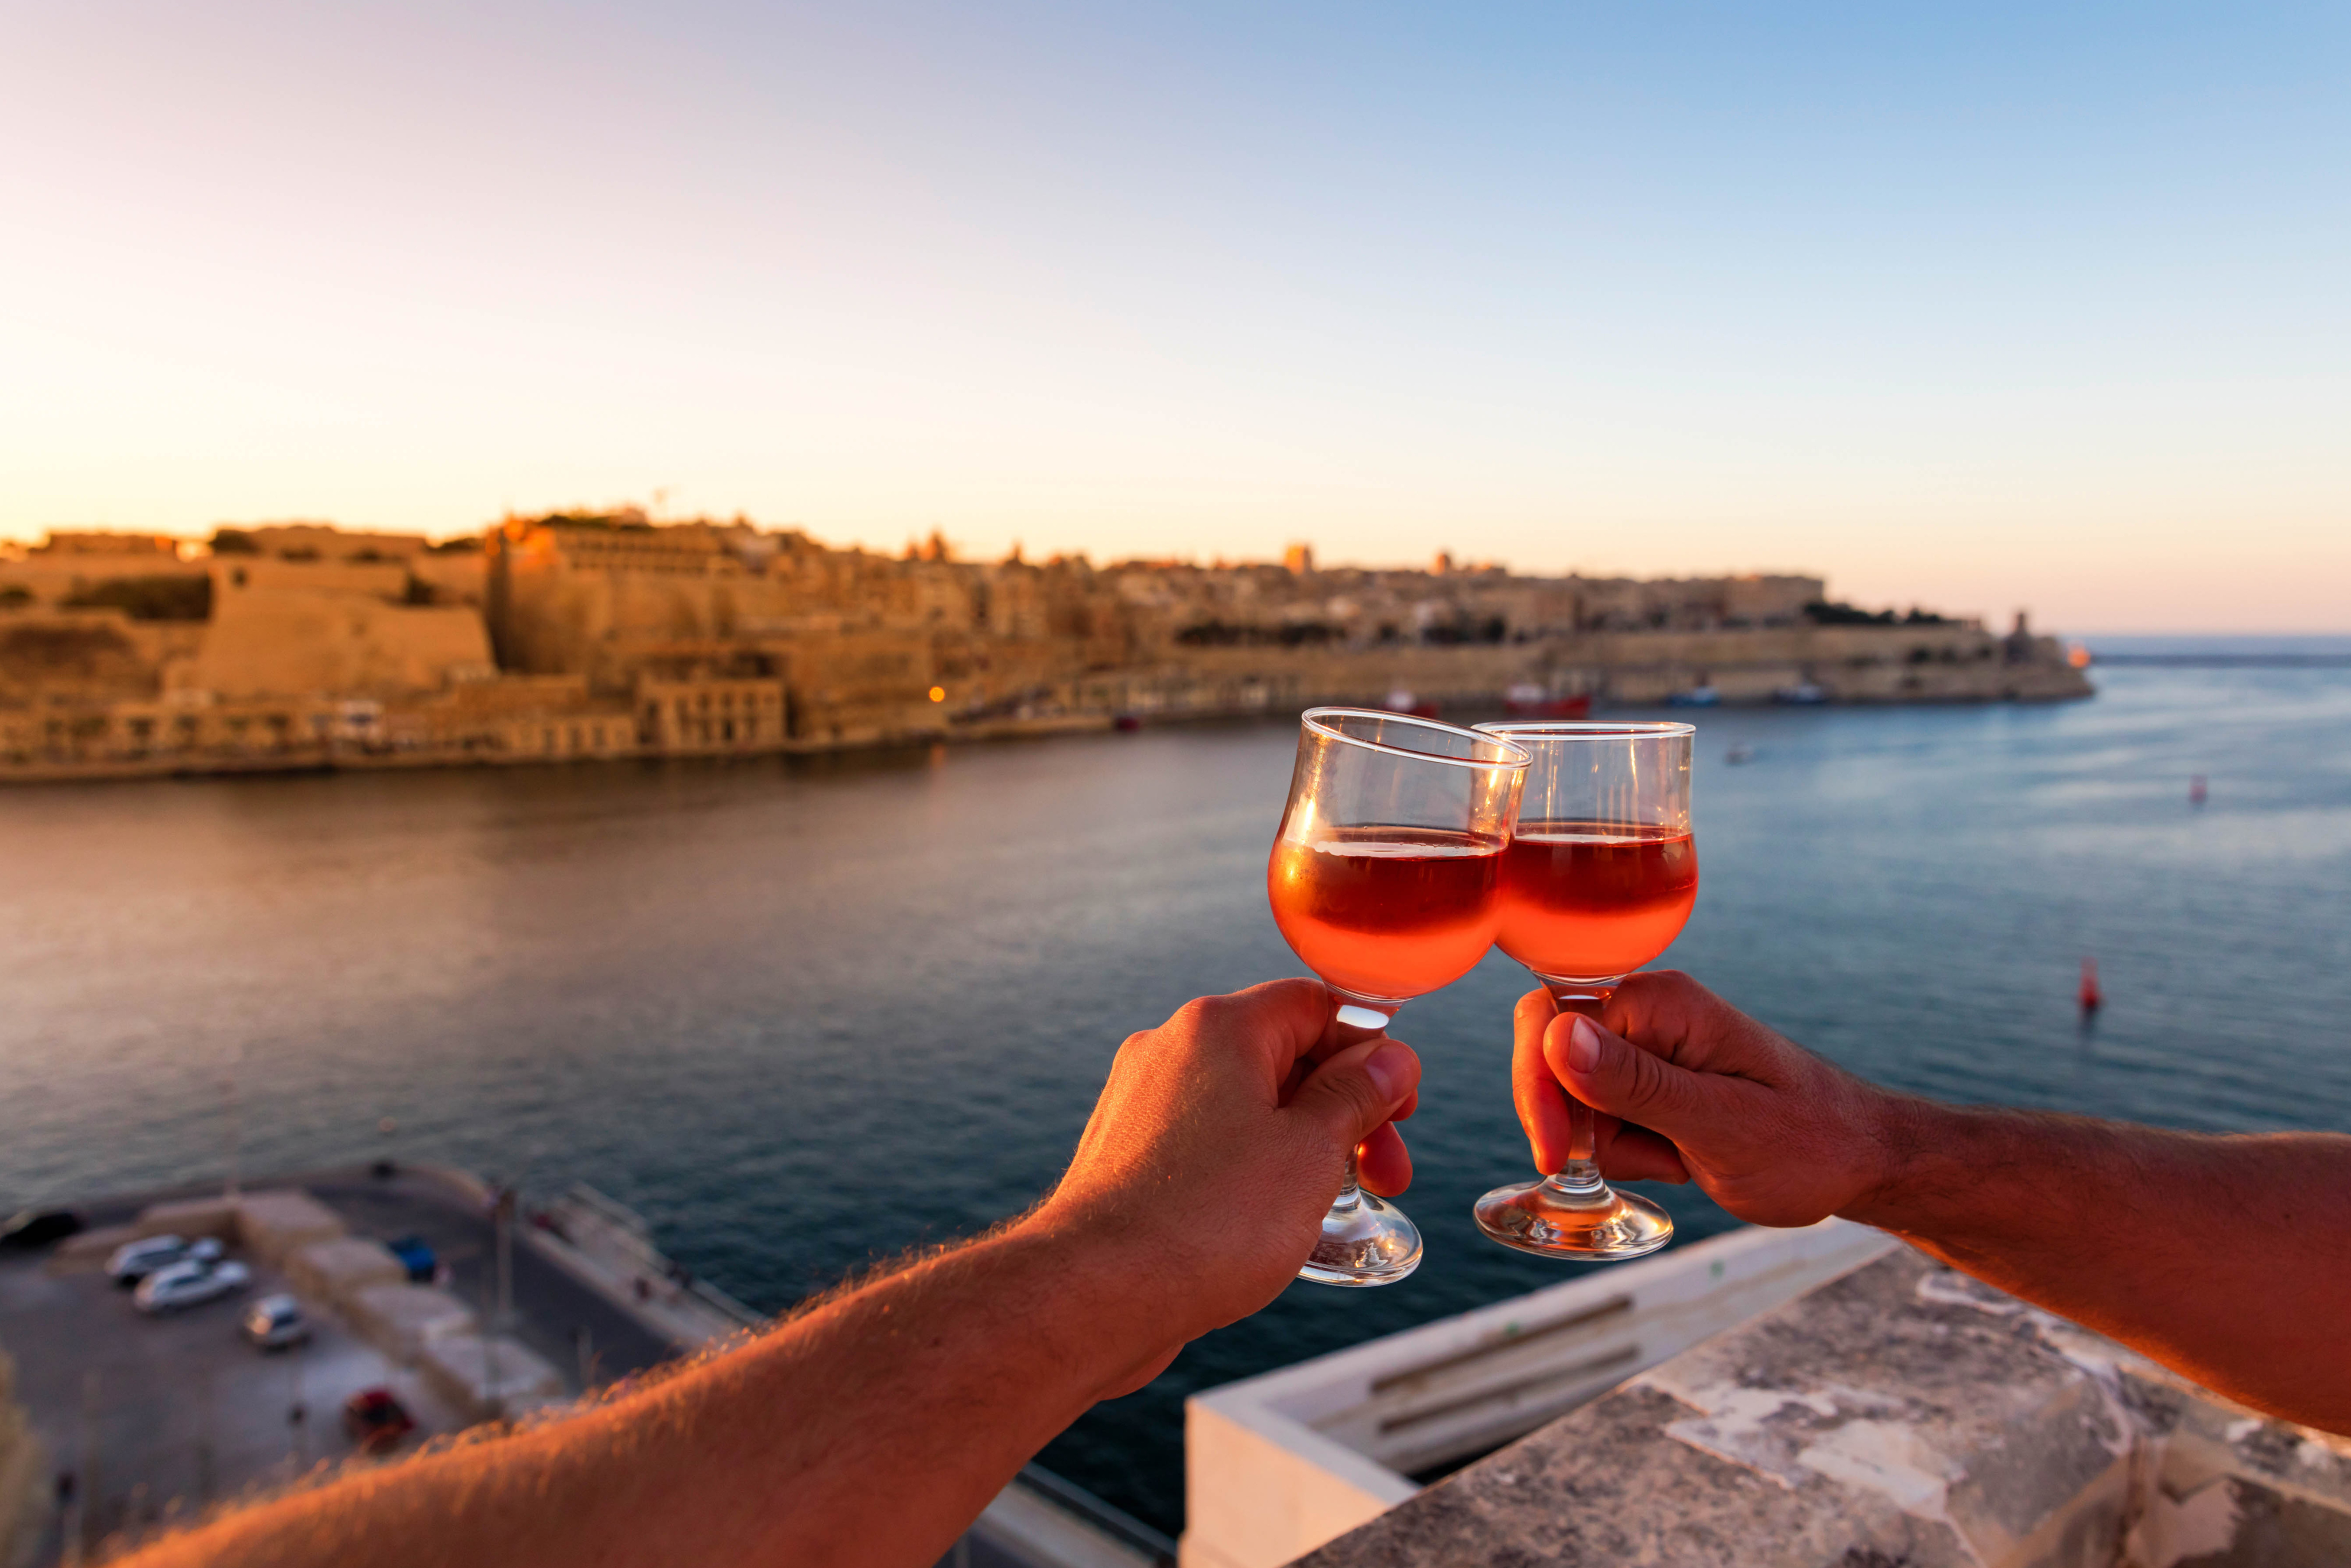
(43,578)
(1847,664)
(86,657)
(285,628)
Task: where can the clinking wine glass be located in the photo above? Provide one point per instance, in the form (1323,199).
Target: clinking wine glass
(1599,879)
(1384,878)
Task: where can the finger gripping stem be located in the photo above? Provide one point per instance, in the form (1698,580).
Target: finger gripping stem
(1583,1132)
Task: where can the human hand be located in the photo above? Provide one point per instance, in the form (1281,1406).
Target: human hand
(1220,1139)
(1625,1153)
(1774,1133)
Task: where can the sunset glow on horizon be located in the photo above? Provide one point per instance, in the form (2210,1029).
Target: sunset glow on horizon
(1992,310)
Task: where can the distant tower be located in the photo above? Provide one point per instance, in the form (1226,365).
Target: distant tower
(1298,558)
(1443,564)
(2017,646)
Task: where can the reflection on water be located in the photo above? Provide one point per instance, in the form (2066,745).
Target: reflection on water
(803,1016)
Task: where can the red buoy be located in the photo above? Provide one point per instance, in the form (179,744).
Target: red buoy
(2196,790)
(2092,998)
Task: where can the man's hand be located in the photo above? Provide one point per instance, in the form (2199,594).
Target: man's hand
(2147,1236)
(1221,1138)
(1688,1087)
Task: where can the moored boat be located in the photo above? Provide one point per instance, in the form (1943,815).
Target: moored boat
(1531,701)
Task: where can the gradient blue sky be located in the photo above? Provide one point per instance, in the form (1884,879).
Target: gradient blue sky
(1986,307)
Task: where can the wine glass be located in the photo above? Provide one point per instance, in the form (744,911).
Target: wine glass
(1599,878)
(1384,878)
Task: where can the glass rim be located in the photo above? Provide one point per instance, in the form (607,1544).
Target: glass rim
(1589,728)
(1313,718)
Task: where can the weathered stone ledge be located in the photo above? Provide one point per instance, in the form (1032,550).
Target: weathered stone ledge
(1902,1416)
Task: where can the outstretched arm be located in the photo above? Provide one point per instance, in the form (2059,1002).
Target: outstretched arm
(872,1429)
(2225,1258)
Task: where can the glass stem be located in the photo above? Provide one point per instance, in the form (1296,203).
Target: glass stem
(1354,1022)
(1579,1181)
(1351,1196)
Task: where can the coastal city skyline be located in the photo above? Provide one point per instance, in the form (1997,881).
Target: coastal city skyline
(599,635)
(1988,311)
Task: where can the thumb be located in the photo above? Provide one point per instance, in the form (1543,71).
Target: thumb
(1352,1093)
(1609,1072)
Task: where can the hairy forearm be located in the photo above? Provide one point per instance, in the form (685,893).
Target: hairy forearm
(2227,1259)
(868,1431)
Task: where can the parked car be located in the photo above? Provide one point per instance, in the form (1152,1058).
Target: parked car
(416,1255)
(274,1323)
(189,1283)
(375,1421)
(134,1261)
(32,1228)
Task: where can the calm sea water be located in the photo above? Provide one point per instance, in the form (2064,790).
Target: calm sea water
(803,1016)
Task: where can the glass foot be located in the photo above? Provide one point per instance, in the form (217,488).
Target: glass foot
(1366,1241)
(1595,1224)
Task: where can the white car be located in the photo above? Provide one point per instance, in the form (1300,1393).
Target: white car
(134,1261)
(189,1283)
(275,1321)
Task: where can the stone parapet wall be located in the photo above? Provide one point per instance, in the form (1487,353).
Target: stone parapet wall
(1902,1415)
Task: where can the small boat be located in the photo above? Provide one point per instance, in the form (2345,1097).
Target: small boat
(1696,696)
(1403,701)
(1739,754)
(1126,724)
(2093,999)
(1529,701)
(2196,790)
(1803,693)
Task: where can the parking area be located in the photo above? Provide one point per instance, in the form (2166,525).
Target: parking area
(153,1417)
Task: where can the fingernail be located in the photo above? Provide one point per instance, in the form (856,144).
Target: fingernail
(1583,1045)
(1387,1067)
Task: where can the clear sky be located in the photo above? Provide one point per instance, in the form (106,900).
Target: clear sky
(2004,305)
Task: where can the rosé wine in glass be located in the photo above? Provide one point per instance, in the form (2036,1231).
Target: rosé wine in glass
(1387,912)
(1385,876)
(1599,879)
